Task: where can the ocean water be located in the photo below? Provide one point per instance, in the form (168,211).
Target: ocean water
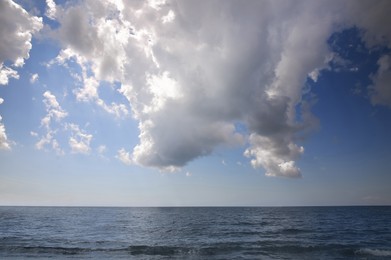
(196,233)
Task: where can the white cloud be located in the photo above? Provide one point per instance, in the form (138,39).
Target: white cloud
(192,69)
(54,114)
(80,141)
(124,156)
(53,109)
(16,30)
(48,140)
(4,142)
(169,17)
(34,77)
(90,85)
(7,73)
(51,9)
(274,155)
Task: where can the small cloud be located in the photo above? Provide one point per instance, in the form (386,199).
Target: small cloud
(80,140)
(314,75)
(188,174)
(101,149)
(169,17)
(51,9)
(34,78)
(223,162)
(32,133)
(7,73)
(4,142)
(124,156)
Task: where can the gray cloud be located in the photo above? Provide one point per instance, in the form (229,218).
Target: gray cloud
(191,70)
(381,88)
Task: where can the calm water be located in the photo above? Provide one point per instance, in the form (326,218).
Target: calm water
(196,233)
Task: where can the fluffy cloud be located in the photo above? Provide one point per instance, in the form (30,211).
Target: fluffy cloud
(6,73)
(192,71)
(124,156)
(34,77)
(54,114)
(51,9)
(4,143)
(53,109)
(53,122)
(80,140)
(16,30)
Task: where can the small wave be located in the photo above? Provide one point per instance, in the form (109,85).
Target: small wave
(158,250)
(132,250)
(49,250)
(246,223)
(374,252)
(294,231)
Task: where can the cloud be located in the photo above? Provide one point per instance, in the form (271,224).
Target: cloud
(34,77)
(54,114)
(50,9)
(90,85)
(4,142)
(373,18)
(16,29)
(124,156)
(381,88)
(53,122)
(79,140)
(6,73)
(53,109)
(192,70)
(101,149)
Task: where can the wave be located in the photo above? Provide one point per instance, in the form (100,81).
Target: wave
(293,231)
(132,250)
(46,250)
(159,250)
(374,252)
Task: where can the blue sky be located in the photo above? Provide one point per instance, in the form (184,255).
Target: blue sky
(215,103)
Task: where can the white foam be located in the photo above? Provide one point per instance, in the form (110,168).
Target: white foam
(374,252)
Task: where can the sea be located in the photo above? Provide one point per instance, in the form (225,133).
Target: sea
(195,233)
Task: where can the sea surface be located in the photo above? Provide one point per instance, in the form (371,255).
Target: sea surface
(196,233)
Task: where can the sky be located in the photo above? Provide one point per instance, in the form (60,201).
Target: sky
(195,103)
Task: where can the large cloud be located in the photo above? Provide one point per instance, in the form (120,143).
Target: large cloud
(193,71)
(16,29)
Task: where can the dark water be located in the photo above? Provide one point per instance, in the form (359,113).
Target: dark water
(196,233)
